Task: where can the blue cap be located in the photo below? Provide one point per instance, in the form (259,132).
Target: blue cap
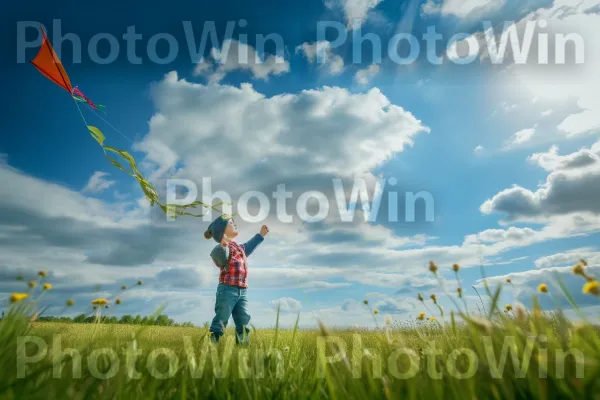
(216,229)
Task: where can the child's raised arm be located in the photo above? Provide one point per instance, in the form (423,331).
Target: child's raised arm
(251,244)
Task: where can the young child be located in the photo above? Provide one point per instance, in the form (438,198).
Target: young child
(230,257)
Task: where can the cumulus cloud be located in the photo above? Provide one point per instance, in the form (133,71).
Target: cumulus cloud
(354,9)
(522,136)
(322,53)
(287,305)
(234,55)
(97,183)
(363,76)
(569,258)
(462,8)
(572,186)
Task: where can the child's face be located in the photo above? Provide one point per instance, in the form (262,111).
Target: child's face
(231,230)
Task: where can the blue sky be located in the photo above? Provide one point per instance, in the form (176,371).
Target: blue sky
(509,153)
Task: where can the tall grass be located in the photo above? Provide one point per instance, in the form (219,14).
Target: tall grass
(467,357)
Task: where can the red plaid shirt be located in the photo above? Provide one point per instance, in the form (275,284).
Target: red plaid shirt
(235,272)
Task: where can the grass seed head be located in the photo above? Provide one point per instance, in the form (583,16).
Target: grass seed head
(433,267)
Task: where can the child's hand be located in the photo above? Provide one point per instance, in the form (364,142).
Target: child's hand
(264,230)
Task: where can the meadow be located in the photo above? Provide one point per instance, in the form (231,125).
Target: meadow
(505,353)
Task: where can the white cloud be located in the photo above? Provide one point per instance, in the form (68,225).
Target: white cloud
(363,76)
(547,113)
(322,53)
(192,119)
(522,136)
(354,9)
(569,258)
(462,8)
(478,150)
(558,86)
(287,305)
(97,184)
(572,186)
(233,56)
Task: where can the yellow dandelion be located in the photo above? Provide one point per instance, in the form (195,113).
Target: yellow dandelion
(100,302)
(43,274)
(433,267)
(47,286)
(421,316)
(32,284)
(456,267)
(578,270)
(509,307)
(420,297)
(118,301)
(376,311)
(543,288)
(592,287)
(431,319)
(17,297)
(70,303)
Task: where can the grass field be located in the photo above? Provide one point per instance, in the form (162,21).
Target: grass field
(505,354)
(554,360)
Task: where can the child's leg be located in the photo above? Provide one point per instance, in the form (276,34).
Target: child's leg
(241,318)
(224,304)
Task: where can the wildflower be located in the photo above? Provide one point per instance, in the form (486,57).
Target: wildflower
(509,307)
(139,283)
(420,297)
(459,290)
(583,262)
(17,297)
(32,284)
(421,316)
(433,267)
(578,270)
(366,302)
(47,286)
(375,311)
(434,298)
(543,288)
(70,303)
(508,280)
(43,274)
(592,287)
(456,267)
(432,319)
(100,302)
(118,301)
(123,287)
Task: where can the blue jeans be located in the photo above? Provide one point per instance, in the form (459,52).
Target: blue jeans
(232,301)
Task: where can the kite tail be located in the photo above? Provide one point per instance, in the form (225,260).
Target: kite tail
(79,96)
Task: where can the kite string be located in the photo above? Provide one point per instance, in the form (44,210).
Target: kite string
(109,124)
